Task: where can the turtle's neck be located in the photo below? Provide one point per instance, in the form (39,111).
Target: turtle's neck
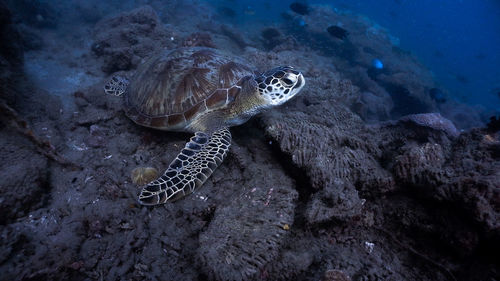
(246,104)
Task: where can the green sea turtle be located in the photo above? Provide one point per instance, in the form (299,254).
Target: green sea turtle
(202,91)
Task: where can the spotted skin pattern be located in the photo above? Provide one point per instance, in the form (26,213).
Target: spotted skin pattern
(190,169)
(116,86)
(276,84)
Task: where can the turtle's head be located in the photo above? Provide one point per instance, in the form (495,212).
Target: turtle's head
(280,84)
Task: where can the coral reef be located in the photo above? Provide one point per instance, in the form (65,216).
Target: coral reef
(421,165)
(247,234)
(476,162)
(441,166)
(338,200)
(434,121)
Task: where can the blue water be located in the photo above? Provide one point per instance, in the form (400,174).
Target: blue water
(458,40)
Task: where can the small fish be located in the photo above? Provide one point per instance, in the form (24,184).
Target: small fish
(299,8)
(377,64)
(337,32)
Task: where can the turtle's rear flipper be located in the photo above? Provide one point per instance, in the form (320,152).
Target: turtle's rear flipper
(196,162)
(116,86)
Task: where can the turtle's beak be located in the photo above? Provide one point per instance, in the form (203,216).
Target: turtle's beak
(300,83)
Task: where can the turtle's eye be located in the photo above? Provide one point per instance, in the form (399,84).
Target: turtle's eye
(287,81)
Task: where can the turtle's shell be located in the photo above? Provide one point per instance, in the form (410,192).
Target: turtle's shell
(173,88)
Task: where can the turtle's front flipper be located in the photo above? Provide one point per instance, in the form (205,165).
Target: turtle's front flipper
(116,86)
(196,162)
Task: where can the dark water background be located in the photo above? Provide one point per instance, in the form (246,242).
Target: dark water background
(459,41)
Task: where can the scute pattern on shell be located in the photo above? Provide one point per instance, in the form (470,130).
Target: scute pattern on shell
(167,88)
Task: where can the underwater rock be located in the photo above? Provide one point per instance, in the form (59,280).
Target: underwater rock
(247,235)
(270,33)
(338,200)
(293,261)
(479,196)
(271,37)
(198,39)
(127,143)
(119,59)
(300,8)
(337,32)
(97,136)
(460,169)
(23,177)
(92,115)
(373,107)
(80,99)
(124,39)
(408,98)
(234,35)
(493,125)
(476,185)
(434,121)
